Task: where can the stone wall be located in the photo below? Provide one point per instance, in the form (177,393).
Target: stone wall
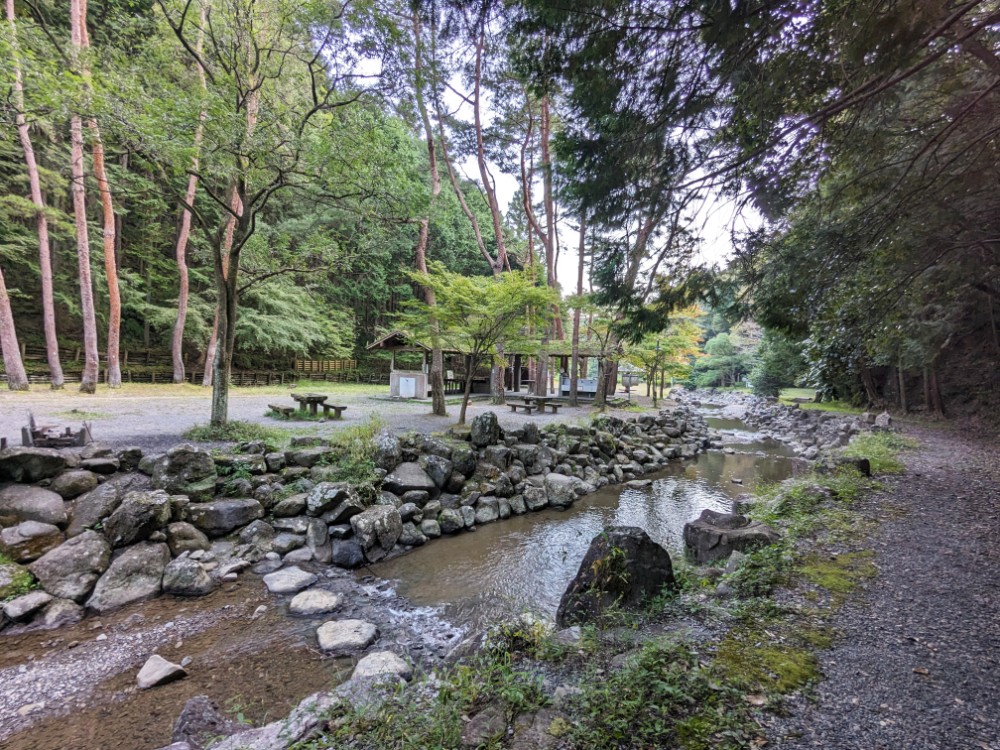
(94,529)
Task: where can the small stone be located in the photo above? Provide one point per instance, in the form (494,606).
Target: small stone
(346,635)
(158,671)
(382,665)
(314,602)
(259,612)
(288,580)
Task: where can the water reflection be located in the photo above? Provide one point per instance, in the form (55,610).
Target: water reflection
(525,563)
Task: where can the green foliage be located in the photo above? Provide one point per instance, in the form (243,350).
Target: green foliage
(351,457)
(881,449)
(22,582)
(780,364)
(238,432)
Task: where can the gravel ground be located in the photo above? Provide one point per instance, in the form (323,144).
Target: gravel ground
(155,417)
(918,663)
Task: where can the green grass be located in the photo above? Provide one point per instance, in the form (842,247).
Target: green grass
(843,407)
(21,583)
(351,457)
(882,450)
(240,432)
(82,415)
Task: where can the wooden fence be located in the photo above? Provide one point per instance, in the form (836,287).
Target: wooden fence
(325,365)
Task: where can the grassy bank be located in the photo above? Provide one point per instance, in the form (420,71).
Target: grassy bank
(700,668)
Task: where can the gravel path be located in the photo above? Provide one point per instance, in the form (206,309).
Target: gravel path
(155,417)
(918,663)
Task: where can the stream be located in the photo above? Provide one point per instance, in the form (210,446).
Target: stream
(525,563)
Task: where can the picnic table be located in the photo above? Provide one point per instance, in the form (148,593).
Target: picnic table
(309,401)
(540,402)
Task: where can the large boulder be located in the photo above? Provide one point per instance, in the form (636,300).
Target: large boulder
(406,477)
(622,567)
(382,665)
(463,460)
(327,496)
(346,635)
(134,576)
(307,457)
(20,502)
(219,517)
(187,577)
(289,580)
(93,507)
(485,430)
(71,569)
(388,451)
(715,536)
(560,490)
(137,517)
(25,607)
(71,484)
(22,464)
(450,521)
(186,470)
(346,553)
(29,540)
(377,530)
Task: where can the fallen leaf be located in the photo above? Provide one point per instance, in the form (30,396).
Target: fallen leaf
(921,670)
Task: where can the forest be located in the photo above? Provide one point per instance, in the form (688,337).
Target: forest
(243,182)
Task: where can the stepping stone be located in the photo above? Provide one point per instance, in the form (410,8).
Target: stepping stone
(346,635)
(288,580)
(382,664)
(314,602)
(158,671)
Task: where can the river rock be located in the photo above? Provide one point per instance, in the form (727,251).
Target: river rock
(437,468)
(714,535)
(535,498)
(186,470)
(71,484)
(129,457)
(293,505)
(307,457)
(29,540)
(883,421)
(430,528)
(101,465)
(314,602)
(59,612)
(468,516)
(138,516)
(134,576)
(463,461)
(382,665)
(318,540)
(517,505)
(219,517)
(93,507)
(24,464)
(20,502)
(24,607)
(288,580)
(560,490)
(485,727)
(411,536)
(346,635)
(485,430)
(201,723)
(249,463)
(388,452)
(71,569)
(487,510)
(339,496)
(158,671)
(377,530)
(450,521)
(187,577)
(622,567)
(183,537)
(408,476)
(346,553)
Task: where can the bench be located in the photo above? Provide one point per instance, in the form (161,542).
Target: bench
(337,410)
(285,411)
(553,407)
(514,406)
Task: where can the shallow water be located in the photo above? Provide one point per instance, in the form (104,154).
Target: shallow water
(526,562)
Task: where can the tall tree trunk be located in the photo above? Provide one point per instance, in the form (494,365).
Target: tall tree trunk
(177,342)
(88,379)
(17,378)
(574,369)
(901,379)
(208,377)
(438,404)
(41,222)
(470,372)
(114,373)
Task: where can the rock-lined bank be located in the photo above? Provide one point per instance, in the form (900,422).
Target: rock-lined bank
(95,529)
(810,433)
